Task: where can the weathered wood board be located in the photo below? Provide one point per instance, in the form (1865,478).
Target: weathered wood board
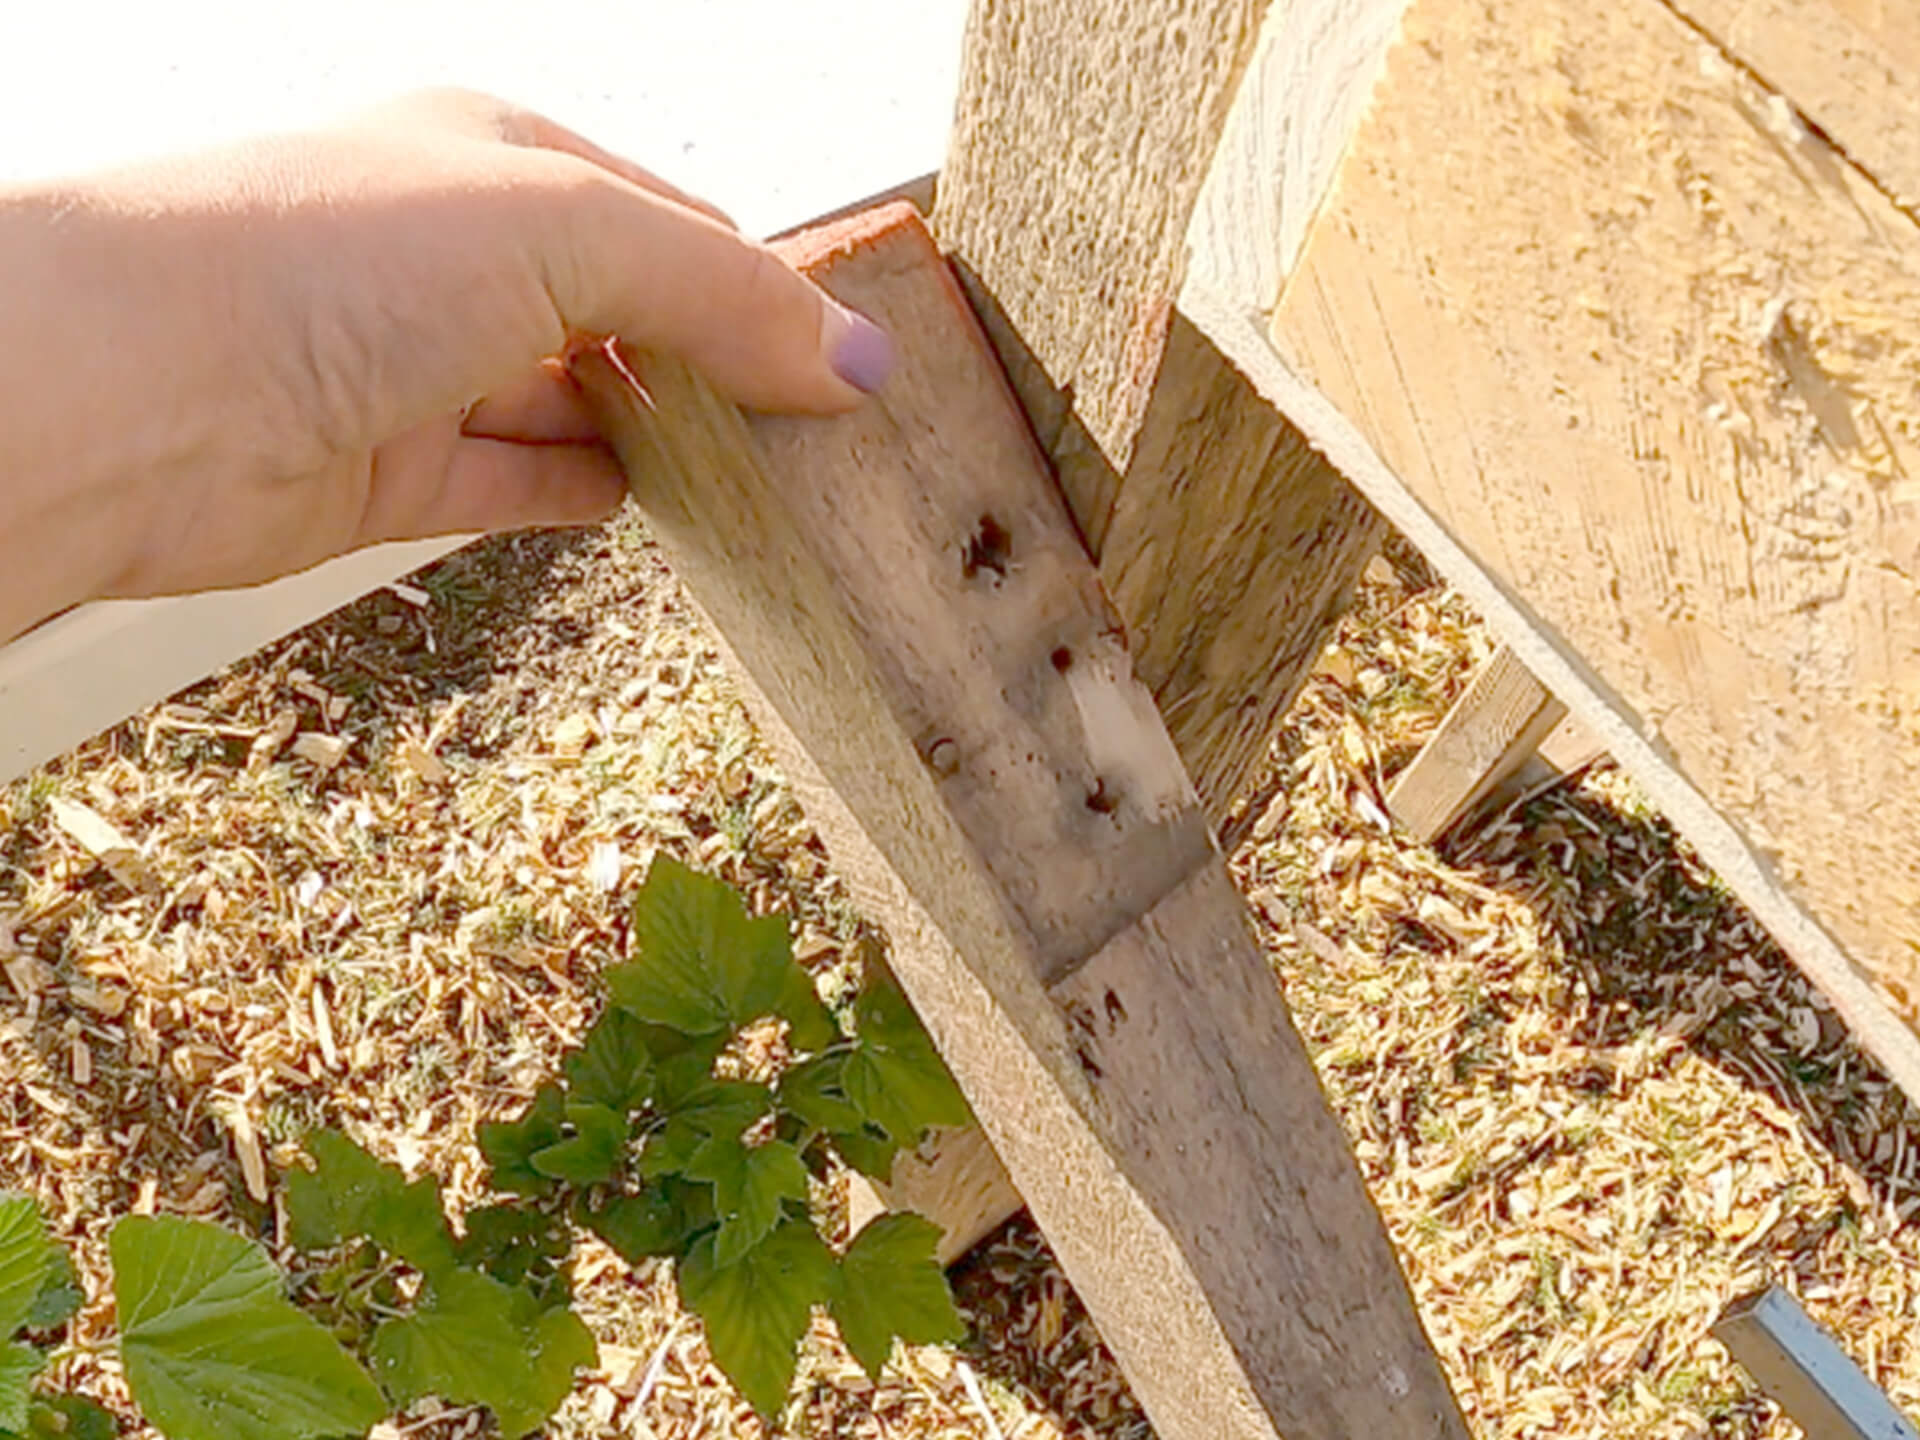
(933,658)
(1643,362)
(1228,544)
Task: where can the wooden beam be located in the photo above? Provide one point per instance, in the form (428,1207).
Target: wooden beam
(1493,729)
(1659,429)
(1227,543)
(955,1180)
(1846,65)
(947,688)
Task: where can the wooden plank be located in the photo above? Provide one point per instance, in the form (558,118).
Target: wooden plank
(955,1180)
(1804,1371)
(1227,543)
(1492,731)
(1846,65)
(954,706)
(1648,398)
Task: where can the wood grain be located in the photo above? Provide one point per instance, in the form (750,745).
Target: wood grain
(1228,544)
(1660,378)
(846,566)
(955,1180)
(1849,66)
(1492,731)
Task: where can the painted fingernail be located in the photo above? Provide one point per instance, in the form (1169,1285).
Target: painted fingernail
(861,352)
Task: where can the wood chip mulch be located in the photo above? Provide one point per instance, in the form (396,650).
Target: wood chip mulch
(369,876)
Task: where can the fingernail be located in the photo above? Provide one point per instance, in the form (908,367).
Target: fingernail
(859,350)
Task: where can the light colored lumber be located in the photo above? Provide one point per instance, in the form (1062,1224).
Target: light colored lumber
(1640,381)
(1493,729)
(1228,545)
(1184,1165)
(954,1179)
(1852,67)
(89,669)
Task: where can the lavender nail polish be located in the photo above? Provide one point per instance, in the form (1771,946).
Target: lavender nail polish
(863,357)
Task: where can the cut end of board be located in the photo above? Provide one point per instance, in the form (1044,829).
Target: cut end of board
(816,251)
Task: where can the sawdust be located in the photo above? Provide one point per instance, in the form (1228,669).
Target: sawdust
(1590,1097)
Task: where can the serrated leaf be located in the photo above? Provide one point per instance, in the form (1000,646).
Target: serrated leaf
(25,1255)
(717,1107)
(517,1245)
(60,1293)
(350,1193)
(701,963)
(815,1092)
(68,1417)
(892,1287)
(589,1153)
(756,1310)
(510,1145)
(868,1150)
(751,1184)
(463,1345)
(214,1351)
(894,1074)
(661,1220)
(18,1365)
(612,1067)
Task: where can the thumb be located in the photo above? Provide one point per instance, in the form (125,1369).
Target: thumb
(659,275)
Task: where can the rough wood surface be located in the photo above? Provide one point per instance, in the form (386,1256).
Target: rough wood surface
(1650,397)
(1852,67)
(1492,731)
(1228,544)
(1191,1179)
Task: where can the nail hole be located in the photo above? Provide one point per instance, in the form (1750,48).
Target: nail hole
(1100,802)
(1062,659)
(1116,1012)
(989,549)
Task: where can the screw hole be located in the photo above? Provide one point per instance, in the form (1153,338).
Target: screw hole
(989,549)
(1062,659)
(1100,802)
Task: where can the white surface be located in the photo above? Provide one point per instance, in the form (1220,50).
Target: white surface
(775,110)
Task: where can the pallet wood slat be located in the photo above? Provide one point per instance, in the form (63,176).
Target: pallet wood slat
(1491,732)
(1171,1139)
(1228,544)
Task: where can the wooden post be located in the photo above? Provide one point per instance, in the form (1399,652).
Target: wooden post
(945,682)
(1493,729)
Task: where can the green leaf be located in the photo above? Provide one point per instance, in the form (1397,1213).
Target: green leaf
(18,1365)
(894,1074)
(561,1345)
(717,1107)
(516,1245)
(590,1150)
(350,1193)
(756,1309)
(25,1256)
(68,1417)
(681,1063)
(60,1293)
(868,1150)
(815,1092)
(612,1067)
(463,1345)
(750,1186)
(214,1351)
(701,964)
(810,1023)
(891,1286)
(510,1145)
(660,1220)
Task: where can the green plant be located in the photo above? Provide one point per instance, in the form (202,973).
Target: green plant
(691,1124)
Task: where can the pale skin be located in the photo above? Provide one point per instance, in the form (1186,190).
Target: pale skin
(223,369)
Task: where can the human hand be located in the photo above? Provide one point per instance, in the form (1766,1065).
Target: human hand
(225,369)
